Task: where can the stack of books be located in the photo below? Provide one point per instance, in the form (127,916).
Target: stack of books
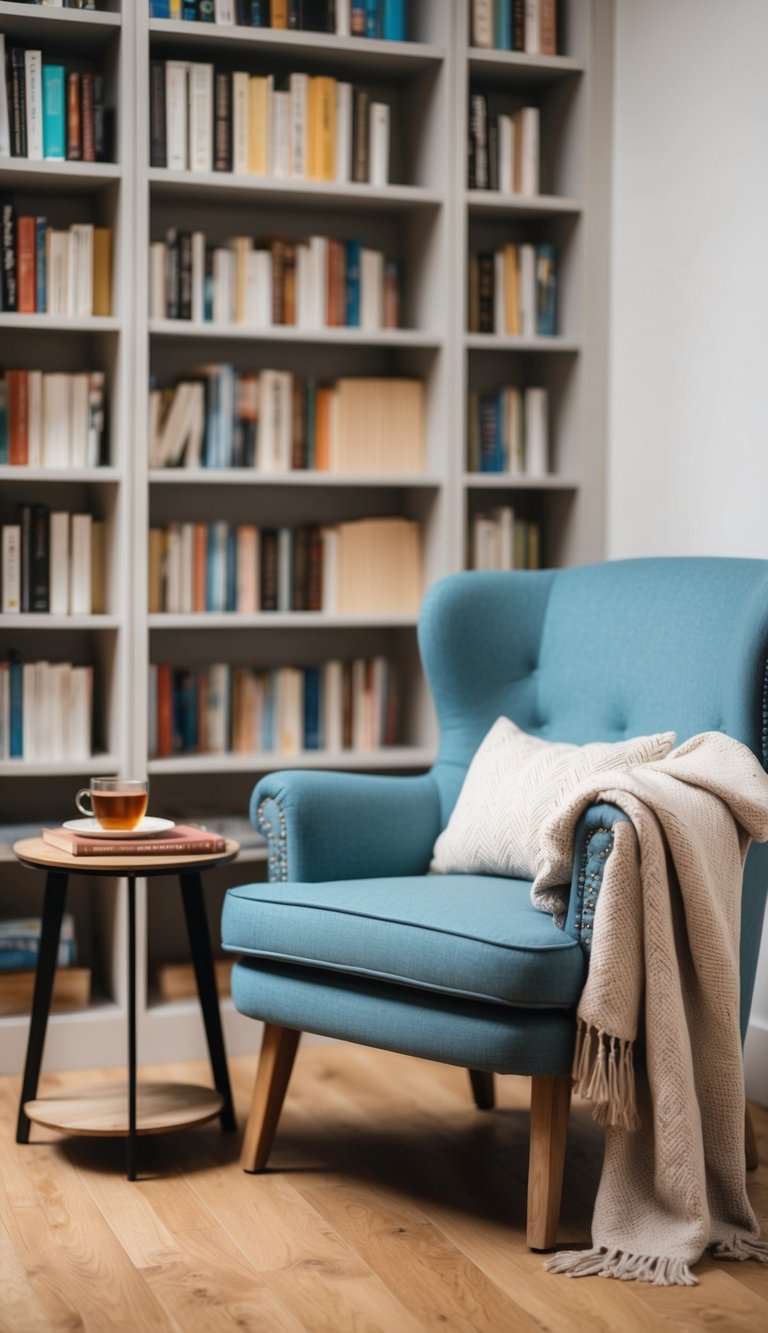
(181,840)
(503,150)
(54,272)
(53,562)
(514,291)
(384,19)
(508,431)
(49,112)
(51,419)
(311,127)
(275,421)
(46,710)
(365,566)
(515,25)
(222,709)
(311,284)
(499,539)
(19,952)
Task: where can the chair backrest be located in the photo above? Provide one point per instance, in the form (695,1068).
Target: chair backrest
(603,652)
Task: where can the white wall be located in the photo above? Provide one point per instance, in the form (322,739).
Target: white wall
(688,414)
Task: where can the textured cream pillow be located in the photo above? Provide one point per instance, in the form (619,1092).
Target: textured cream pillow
(514,783)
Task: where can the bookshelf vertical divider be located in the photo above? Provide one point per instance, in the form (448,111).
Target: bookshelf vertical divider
(433,220)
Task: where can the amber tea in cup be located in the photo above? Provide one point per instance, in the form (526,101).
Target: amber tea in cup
(117,803)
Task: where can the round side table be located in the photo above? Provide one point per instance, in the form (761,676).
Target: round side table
(151,1108)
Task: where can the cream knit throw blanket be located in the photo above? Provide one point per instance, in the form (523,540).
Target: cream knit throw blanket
(665,963)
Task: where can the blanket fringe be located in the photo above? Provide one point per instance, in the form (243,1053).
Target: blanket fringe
(604,1074)
(600,1262)
(742,1247)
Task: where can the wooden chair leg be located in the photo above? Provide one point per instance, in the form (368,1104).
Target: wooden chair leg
(482,1089)
(278,1050)
(751,1158)
(550,1105)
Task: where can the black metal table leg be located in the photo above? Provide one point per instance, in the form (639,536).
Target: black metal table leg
(202,958)
(131,1141)
(53,911)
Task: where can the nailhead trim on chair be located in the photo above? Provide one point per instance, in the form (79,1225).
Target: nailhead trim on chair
(596,853)
(277,839)
(765,715)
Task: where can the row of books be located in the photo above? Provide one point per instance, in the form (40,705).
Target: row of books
(514,291)
(503,151)
(51,419)
(54,272)
(367,565)
(275,421)
(384,19)
(46,710)
(48,111)
(224,709)
(515,25)
(310,128)
(499,539)
(53,562)
(508,431)
(20,943)
(314,284)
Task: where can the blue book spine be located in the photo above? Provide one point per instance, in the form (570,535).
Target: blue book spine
(393,20)
(41,268)
(160,9)
(188,688)
(3,420)
(54,113)
(353,284)
(268,715)
(546,290)
(17,707)
(206,11)
(189,10)
(502,27)
(500,444)
(312,737)
(259,14)
(24,953)
(372,28)
(489,429)
(231,569)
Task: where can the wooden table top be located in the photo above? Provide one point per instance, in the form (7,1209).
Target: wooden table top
(35,852)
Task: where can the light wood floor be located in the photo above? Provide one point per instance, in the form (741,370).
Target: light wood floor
(392,1206)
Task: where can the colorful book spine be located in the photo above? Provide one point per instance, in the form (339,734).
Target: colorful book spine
(393,21)
(54,113)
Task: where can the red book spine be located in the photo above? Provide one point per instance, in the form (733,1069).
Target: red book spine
(25,251)
(74,122)
(87,118)
(18,405)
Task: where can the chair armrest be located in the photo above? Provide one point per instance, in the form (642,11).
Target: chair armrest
(592,847)
(322,826)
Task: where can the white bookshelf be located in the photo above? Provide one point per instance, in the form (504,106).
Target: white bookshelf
(427,218)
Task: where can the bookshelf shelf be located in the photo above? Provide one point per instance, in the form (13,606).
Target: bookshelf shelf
(22,173)
(391,758)
(495,342)
(298,620)
(493,204)
(281,333)
(61,323)
(207,476)
(510,481)
(307,194)
(503,66)
(20,768)
(76,476)
(83,28)
(353,53)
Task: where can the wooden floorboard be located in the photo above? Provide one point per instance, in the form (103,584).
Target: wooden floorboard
(392,1205)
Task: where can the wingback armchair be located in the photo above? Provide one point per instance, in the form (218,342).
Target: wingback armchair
(354,939)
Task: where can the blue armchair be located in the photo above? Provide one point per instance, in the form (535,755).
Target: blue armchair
(352,938)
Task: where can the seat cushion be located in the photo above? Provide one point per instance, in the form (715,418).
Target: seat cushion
(474,936)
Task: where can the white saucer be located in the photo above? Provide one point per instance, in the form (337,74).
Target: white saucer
(91,828)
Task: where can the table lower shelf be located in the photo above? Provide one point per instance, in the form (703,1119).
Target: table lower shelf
(160,1107)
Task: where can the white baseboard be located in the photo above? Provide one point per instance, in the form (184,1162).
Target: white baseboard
(756,1062)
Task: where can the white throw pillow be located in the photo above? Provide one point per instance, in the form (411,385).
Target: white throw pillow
(514,783)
